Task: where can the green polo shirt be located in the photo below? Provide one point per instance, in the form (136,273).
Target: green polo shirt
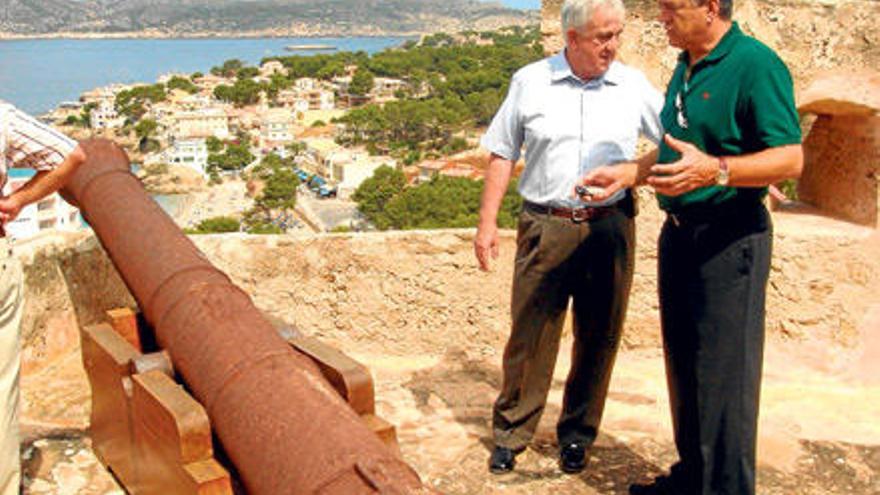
(739,100)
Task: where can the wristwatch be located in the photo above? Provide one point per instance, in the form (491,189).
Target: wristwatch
(723,177)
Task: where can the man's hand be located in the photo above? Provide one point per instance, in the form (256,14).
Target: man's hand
(693,170)
(10,207)
(610,179)
(486,244)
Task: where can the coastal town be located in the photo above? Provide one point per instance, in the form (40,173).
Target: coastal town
(338,152)
(203,139)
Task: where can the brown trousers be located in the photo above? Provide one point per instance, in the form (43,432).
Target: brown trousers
(557,260)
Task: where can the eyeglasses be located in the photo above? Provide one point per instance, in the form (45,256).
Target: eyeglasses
(681,108)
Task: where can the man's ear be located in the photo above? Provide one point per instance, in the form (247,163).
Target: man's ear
(714,7)
(570,38)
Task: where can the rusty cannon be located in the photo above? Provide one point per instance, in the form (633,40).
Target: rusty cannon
(281,423)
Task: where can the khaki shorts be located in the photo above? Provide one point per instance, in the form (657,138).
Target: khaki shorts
(10,319)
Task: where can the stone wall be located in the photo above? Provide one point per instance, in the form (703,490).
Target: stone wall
(420,292)
(813,37)
(842,167)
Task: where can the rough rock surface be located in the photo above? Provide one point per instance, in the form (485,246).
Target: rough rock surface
(842,94)
(813,37)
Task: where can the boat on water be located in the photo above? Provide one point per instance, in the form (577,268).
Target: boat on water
(313,47)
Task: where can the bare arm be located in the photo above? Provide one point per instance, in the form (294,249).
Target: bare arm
(495,186)
(41,185)
(696,169)
(613,178)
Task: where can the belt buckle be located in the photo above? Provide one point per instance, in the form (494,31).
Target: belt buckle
(579,215)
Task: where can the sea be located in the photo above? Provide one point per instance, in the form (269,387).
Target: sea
(37,75)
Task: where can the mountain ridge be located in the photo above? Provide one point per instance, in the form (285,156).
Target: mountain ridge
(266,17)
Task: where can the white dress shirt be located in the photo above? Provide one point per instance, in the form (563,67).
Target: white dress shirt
(569,126)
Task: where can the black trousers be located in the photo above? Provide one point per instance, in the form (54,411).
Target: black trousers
(713,272)
(591,264)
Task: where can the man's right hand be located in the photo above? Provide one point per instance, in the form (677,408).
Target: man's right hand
(611,178)
(486,244)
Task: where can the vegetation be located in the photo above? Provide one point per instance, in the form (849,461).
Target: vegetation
(465,84)
(243,92)
(131,102)
(182,83)
(145,128)
(374,194)
(277,197)
(84,119)
(235,157)
(228,69)
(216,225)
(361,82)
(443,202)
(790,189)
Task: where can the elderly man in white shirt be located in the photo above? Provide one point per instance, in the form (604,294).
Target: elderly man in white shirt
(573,112)
(24,143)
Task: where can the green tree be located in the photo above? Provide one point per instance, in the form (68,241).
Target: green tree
(361,82)
(214,144)
(278,194)
(131,102)
(216,225)
(244,92)
(182,83)
(145,128)
(374,193)
(236,157)
(247,73)
(229,68)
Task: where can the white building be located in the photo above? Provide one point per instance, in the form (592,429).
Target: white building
(276,129)
(104,116)
(349,169)
(50,213)
(272,67)
(191,153)
(203,123)
(342,83)
(384,88)
(305,84)
(293,100)
(321,99)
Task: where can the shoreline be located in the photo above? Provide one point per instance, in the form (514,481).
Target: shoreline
(139,35)
(263,33)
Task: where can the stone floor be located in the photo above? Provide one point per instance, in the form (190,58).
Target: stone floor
(819,433)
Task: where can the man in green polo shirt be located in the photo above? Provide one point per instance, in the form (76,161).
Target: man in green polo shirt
(732,129)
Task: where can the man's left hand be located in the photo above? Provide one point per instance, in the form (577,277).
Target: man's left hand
(10,207)
(693,170)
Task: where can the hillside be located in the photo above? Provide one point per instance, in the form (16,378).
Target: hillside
(231,17)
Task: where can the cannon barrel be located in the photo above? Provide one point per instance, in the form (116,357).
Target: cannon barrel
(280,422)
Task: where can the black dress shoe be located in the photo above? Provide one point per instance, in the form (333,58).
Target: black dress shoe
(502,460)
(662,485)
(573,458)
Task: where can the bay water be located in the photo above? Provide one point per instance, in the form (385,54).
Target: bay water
(36,75)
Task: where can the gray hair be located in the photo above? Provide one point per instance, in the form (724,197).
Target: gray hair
(576,13)
(725,7)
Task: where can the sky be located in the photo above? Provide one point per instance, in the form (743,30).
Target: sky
(522,4)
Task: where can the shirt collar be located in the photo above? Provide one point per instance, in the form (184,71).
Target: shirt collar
(722,48)
(561,70)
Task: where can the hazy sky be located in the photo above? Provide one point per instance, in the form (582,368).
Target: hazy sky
(522,4)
